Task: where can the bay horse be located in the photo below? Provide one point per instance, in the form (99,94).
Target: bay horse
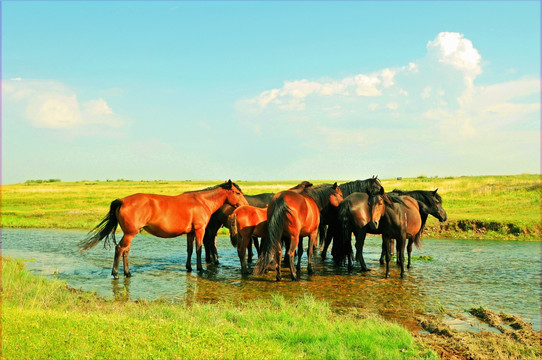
(245,223)
(371,186)
(358,212)
(220,218)
(430,203)
(162,216)
(295,215)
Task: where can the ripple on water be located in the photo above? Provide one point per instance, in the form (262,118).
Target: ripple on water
(463,274)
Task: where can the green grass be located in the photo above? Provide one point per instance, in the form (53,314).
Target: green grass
(44,319)
(487,207)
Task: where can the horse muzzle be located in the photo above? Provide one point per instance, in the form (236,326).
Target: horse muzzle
(373,225)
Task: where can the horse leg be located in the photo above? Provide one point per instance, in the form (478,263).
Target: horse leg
(122,249)
(313,241)
(278,260)
(386,244)
(327,242)
(249,248)
(383,253)
(189,249)
(360,241)
(294,240)
(199,243)
(241,250)
(409,250)
(256,244)
(299,253)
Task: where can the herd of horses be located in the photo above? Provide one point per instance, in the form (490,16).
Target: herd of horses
(280,220)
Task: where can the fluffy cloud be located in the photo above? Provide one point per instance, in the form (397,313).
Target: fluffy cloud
(434,101)
(51,104)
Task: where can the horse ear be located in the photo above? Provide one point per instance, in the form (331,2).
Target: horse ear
(335,185)
(435,192)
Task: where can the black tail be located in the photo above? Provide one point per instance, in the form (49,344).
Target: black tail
(105,230)
(344,242)
(270,243)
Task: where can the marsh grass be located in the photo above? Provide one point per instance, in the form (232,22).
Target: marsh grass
(44,319)
(491,207)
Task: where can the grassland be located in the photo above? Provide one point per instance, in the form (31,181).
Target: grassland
(43,319)
(482,207)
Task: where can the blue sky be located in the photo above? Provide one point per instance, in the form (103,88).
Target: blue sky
(269,90)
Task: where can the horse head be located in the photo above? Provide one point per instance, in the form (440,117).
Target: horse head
(234,234)
(234,195)
(377,207)
(437,210)
(336,197)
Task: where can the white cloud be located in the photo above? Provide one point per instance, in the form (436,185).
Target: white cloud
(54,105)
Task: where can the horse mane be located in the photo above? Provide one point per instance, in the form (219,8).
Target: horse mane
(320,194)
(359,186)
(424,196)
(225,185)
(395,198)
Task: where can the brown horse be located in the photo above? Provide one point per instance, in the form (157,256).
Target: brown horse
(220,218)
(430,203)
(358,212)
(162,216)
(295,215)
(245,223)
(401,221)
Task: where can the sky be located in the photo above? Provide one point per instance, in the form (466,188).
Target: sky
(260,90)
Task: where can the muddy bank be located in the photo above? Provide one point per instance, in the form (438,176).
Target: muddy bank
(481,335)
(483,230)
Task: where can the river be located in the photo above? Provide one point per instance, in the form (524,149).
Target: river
(460,274)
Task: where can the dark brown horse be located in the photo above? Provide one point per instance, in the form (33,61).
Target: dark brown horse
(371,186)
(245,223)
(295,215)
(162,216)
(358,213)
(430,203)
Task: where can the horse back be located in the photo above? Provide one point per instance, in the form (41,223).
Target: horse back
(304,213)
(162,215)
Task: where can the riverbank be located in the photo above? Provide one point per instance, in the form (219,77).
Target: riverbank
(43,318)
(478,207)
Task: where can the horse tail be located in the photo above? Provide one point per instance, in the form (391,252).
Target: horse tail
(275,227)
(104,230)
(344,242)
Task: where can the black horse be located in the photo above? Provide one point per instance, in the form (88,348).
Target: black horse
(330,217)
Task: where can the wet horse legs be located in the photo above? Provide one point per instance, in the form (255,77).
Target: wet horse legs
(122,249)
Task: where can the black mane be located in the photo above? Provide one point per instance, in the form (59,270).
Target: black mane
(423,196)
(366,186)
(320,194)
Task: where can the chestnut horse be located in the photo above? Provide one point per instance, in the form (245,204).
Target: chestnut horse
(295,215)
(162,216)
(357,213)
(220,218)
(245,223)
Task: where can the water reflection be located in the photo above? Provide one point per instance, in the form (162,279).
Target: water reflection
(502,276)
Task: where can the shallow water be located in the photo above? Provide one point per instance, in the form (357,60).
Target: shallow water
(500,276)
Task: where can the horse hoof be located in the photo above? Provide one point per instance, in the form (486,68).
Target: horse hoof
(189,268)
(128,274)
(200,269)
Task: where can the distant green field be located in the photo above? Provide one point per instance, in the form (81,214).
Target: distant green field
(487,207)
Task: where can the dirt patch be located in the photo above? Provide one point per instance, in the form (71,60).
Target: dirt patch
(502,337)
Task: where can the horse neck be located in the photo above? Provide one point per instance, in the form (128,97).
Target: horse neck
(212,199)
